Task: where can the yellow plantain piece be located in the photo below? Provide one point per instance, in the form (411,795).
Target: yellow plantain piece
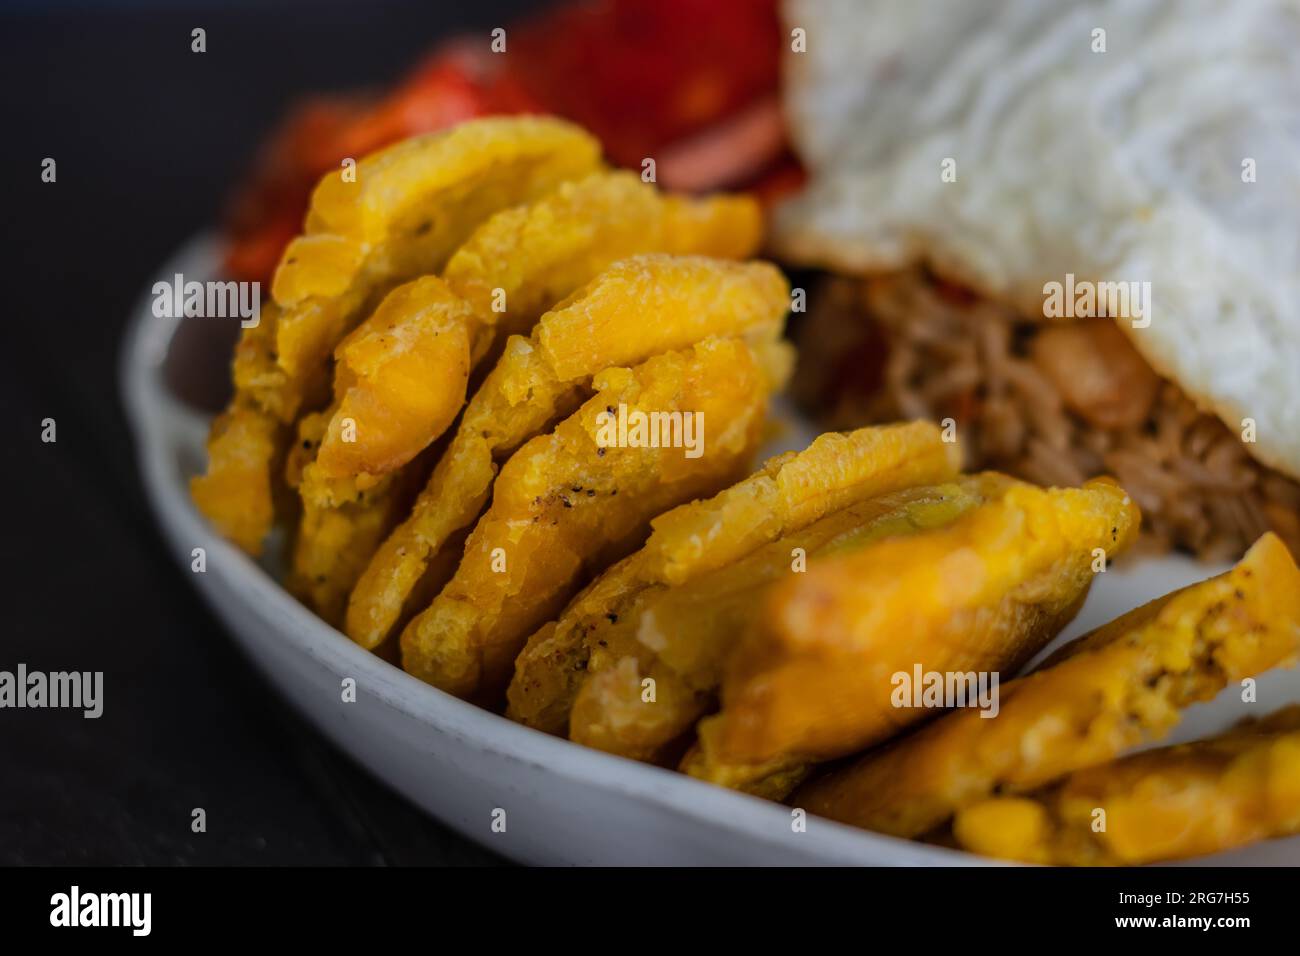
(1168,804)
(400,380)
(813,679)
(302,453)
(334,539)
(570,502)
(336,536)
(1114,688)
(523,260)
(404,213)
(401,376)
(413,203)
(236,494)
(681,637)
(544,377)
(401,215)
(789,492)
(245,446)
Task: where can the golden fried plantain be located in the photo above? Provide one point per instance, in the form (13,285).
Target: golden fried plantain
(788,493)
(402,215)
(570,502)
(332,543)
(681,637)
(523,260)
(400,379)
(341,523)
(245,446)
(402,374)
(1109,690)
(546,376)
(236,494)
(1167,804)
(812,680)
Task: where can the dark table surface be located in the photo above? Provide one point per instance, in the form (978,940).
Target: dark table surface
(149,138)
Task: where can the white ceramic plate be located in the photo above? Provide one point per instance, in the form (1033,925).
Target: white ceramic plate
(564,804)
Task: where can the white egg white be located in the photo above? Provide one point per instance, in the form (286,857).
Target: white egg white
(1147,141)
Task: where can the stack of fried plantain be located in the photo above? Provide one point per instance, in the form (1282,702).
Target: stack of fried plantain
(501,261)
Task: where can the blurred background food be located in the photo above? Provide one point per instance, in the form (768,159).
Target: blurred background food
(691,83)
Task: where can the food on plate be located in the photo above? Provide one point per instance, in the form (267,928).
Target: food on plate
(404,210)
(246,447)
(811,681)
(393,216)
(399,380)
(1002,199)
(788,493)
(570,501)
(524,260)
(682,637)
(401,376)
(578,542)
(237,494)
(542,378)
(1051,404)
(335,537)
(1119,686)
(1167,804)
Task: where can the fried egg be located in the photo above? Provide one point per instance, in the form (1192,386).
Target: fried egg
(1022,147)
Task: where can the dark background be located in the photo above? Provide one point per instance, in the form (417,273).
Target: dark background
(149,139)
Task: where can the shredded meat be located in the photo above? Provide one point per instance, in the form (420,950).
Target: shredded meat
(1052,404)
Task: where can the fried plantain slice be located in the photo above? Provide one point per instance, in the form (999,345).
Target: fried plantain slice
(544,377)
(568,503)
(402,215)
(336,536)
(236,494)
(523,260)
(400,379)
(403,372)
(1109,690)
(787,494)
(1168,804)
(813,679)
(245,446)
(681,637)
(408,209)
(333,540)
